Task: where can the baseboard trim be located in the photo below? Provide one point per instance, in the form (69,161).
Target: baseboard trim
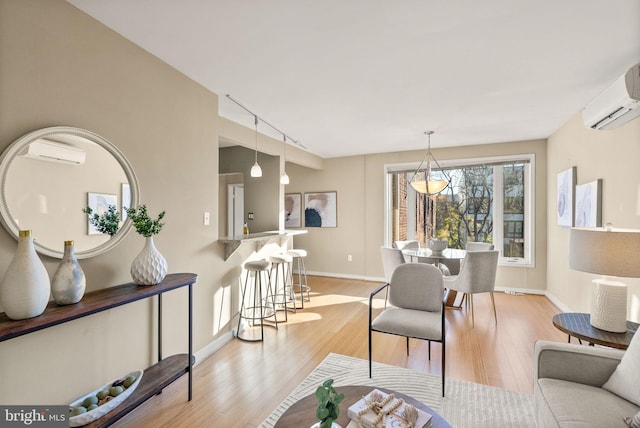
(212,347)
(558,303)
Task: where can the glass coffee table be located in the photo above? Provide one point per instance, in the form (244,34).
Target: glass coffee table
(303,412)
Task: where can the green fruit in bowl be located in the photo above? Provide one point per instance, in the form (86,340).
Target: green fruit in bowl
(91,407)
(78,411)
(103,394)
(92,399)
(129,381)
(114,391)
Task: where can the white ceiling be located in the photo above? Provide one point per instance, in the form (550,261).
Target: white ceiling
(346,77)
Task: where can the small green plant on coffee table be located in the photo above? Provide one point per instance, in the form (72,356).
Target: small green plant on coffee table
(143,223)
(108,222)
(328,404)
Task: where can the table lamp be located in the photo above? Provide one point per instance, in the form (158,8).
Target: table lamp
(610,252)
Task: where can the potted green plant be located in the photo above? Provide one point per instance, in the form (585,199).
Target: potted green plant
(143,223)
(149,267)
(328,405)
(108,222)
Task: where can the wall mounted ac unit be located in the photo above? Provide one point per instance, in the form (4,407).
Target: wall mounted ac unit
(47,150)
(618,104)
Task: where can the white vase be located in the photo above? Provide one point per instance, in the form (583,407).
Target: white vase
(68,283)
(149,267)
(25,288)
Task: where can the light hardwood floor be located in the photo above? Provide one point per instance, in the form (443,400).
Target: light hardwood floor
(242,383)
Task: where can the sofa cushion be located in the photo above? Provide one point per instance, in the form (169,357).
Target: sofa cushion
(575,405)
(625,379)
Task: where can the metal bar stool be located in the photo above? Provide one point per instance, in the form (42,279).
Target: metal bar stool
(298,256)
(283,290)
(260,307)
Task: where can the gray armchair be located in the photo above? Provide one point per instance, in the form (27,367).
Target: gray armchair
(478,246)
(416,292)
(568,391)
(477,275)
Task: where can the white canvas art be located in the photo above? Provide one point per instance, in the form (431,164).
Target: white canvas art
(589,204)
(566,184)
(99,203)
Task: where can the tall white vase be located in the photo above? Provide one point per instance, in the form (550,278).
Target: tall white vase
(25,288)
(149,267)
(68,283)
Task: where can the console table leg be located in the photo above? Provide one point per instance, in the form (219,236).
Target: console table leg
(190,339)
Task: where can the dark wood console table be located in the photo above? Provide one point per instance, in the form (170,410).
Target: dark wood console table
(156,377)
(579,326)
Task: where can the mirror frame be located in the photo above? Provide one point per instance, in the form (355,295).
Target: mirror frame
(12,151)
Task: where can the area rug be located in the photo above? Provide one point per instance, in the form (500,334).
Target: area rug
(466,404)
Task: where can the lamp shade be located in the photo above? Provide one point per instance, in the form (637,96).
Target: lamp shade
(256,171)
(606,252)
(429,187)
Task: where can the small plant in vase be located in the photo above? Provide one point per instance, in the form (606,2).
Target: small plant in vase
(108,222)
(149,267)
(328,405)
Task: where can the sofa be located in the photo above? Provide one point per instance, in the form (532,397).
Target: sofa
(585,386)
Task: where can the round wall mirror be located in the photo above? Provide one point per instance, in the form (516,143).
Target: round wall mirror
(50,175)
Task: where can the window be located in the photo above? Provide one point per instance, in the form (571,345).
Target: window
(489,200)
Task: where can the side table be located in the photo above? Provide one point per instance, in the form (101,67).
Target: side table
(303,412)
(579,326)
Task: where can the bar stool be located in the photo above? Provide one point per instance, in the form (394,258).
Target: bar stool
(298,256)
(283,295)
(261,308)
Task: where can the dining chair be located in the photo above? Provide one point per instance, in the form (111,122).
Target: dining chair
(416,310)
(478,246)
(391,258)
(407,245)
(477,275)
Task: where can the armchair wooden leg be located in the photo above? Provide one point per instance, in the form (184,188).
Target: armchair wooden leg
(495,314)
(429,352)
(407,345)
(473,320)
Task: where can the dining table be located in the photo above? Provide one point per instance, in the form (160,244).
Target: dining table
(427,255)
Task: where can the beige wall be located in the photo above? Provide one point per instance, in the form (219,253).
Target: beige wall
(261,194)
(359,181)
(613,156)
(58,66)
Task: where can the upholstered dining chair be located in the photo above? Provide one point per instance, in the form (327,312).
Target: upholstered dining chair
(477,275)
(416,310)
(391,258)
(407,245)
(478,246)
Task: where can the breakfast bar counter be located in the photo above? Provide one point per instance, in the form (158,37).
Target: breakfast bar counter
(232,243)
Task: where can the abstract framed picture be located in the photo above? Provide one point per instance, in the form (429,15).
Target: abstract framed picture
(99,203)
(589,204)
(292,209)
(566,196)
(321,209)
(125,199)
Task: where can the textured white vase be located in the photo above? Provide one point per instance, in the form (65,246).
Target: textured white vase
(68,283)
(149,267)
(25,288)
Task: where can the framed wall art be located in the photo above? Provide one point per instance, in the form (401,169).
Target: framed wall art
(99,203)
(589,204)
(292,209)
(320,209)
(566,196)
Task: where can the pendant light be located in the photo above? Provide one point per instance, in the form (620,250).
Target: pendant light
(256,171)
(284,178)
(422,180)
